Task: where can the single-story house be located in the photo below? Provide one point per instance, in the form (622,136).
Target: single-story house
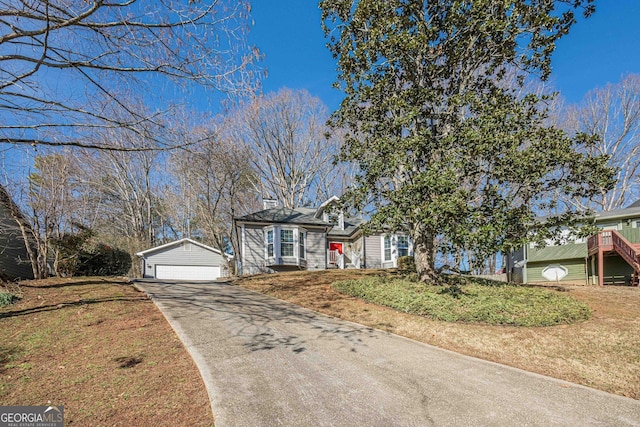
(283,239)
(184,259)
(14,258)
(612,256)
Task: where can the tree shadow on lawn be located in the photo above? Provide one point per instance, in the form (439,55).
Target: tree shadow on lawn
(256,319)
(52,307)
(70,282)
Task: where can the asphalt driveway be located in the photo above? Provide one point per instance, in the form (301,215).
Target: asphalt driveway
(266,362)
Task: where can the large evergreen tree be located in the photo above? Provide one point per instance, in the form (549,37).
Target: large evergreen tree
(450,146)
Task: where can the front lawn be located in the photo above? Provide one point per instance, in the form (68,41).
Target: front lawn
(465,300)
(101,349)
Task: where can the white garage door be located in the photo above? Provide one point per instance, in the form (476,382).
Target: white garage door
(186,272)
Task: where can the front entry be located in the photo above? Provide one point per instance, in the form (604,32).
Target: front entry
(335,254)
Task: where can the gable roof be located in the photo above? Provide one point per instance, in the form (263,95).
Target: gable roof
(331,201)
(635,204)
(628,212)
(179,243)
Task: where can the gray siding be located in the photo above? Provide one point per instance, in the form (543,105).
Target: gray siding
(254,261)
(316,250)
(373,252)
(179,255)
(14,260)
(253,257)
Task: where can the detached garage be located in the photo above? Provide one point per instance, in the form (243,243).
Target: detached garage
(183,259)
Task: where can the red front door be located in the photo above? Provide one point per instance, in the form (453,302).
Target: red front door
(335,246)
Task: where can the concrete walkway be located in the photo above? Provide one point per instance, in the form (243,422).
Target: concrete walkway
(269,363)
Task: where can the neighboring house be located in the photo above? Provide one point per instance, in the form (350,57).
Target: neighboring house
(184,259)
(14,258)
(282,239)
(610,257)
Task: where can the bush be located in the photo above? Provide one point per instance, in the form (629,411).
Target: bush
(104,260)
(473,302)
(406,264)
(7,298)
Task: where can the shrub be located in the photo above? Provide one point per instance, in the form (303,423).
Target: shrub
(7,298)
(406,264)
(472,302)
(103,260)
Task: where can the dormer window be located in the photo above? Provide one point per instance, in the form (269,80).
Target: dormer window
(334,218)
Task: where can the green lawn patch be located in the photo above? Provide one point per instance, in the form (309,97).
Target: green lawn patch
(7,298)
(467,300)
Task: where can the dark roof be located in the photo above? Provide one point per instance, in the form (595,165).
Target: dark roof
(301,216)
(635,204)
(284,215)
(351,225)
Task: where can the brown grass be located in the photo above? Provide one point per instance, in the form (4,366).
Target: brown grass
(101,349)
(603,352)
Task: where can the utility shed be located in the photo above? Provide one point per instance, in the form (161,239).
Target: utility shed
(184,259)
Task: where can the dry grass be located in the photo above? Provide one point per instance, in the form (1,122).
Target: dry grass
(101,349)
(602,352)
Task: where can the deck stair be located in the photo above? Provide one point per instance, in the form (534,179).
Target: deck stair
(612,240)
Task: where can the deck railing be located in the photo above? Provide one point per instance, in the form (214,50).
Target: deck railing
(626,250)
(600,241)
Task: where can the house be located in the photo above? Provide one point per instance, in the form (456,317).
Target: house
(612,256)
(184,259)
(282,239)
(14,258)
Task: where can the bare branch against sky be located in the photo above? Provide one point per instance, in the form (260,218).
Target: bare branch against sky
(70,68)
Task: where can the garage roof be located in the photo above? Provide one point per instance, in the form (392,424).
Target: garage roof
(179,243)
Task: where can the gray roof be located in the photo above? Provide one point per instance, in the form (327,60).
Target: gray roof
(630,211)
(351,225)
(303,216)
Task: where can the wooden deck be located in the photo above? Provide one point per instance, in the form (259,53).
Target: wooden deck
(608,241)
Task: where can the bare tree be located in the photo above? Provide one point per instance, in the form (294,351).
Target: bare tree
(613,113)
(216,185)
(286,134)
(123,189)
(51,203)
(66,64)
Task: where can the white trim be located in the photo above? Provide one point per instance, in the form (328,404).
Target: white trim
(242,249)
(394,248)
(320,209)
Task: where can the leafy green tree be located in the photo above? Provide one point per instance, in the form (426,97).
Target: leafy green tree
(448,142)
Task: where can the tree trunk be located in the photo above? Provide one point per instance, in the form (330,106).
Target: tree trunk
(424,253)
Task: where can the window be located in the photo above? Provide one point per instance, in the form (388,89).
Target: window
(387,248)
(403,246)
(301,242)
(269,243)
(286,242)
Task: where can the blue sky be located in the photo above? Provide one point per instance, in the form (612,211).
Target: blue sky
(597,51)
